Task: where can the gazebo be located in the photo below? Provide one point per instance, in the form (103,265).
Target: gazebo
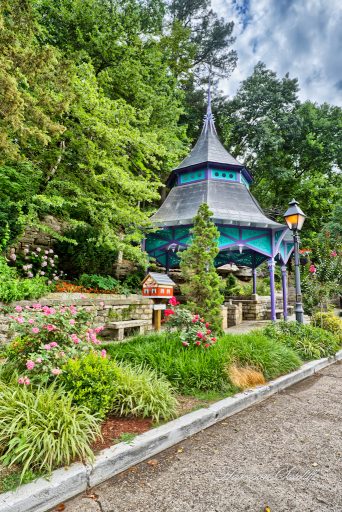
(209,174)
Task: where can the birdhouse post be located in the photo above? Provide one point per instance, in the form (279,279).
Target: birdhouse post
(157,286)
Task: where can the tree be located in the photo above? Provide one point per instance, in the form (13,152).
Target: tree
(291,148)
(202,283)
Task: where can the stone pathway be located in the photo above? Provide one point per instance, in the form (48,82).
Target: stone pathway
(285,453)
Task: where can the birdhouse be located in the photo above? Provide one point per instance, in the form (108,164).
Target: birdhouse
(157,286)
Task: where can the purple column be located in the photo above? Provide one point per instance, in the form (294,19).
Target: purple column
(284,287)
(254,272)
(271,265)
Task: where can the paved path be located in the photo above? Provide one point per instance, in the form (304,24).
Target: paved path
(285,453)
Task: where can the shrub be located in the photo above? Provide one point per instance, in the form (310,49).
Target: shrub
(44,429)
(92,380)
(193,330)
(329,322)
(142,393)
(39,262)
(12,288)
(308,341)
(48,338)
(99,282)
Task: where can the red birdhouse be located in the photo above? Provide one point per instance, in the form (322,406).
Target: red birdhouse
(157,286)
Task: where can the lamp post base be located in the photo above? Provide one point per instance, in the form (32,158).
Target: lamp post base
(299,312)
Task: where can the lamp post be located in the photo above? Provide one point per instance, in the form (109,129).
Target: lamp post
(294,218)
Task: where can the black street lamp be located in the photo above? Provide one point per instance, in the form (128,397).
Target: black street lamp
(295,219)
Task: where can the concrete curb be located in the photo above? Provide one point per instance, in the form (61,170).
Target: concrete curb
(42,495)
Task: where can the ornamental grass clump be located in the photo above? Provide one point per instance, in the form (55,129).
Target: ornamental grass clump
(329,322)
(141,392)
(48,337)
(307,341)
(43,429)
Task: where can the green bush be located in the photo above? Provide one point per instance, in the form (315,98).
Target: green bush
(88,254)
(43,429)
(12,288)
(104,386)
(191,370)
(142,393)
(308,341)
(92,380)
(329,322)
(99,282)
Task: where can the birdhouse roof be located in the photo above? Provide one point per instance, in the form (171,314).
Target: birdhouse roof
(160,279)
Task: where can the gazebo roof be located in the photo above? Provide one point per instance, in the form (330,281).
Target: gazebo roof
(208,148)
(230,202)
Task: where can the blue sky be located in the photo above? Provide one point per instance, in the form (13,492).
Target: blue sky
(302,37)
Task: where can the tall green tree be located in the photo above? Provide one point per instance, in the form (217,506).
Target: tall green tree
(292,148)
(202,287)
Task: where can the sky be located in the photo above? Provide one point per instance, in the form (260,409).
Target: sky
(302,37)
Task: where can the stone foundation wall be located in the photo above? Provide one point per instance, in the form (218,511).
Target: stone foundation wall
(234,313)
(107,308)
(255,307)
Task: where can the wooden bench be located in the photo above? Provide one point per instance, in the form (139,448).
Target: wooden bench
(120,327)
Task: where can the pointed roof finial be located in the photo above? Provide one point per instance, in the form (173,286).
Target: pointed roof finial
(209,118)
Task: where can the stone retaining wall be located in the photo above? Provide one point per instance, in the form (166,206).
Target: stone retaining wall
(254,307)
(107,308)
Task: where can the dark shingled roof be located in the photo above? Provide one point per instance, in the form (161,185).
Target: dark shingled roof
(231,203)
(208,148)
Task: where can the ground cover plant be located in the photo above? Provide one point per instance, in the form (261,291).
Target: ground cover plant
(194,369)
(308,341)
(328,321)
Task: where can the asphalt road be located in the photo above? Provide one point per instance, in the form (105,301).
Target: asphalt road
(285,454)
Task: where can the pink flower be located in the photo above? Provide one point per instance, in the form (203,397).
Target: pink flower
(20,320)
(333,254)
(50,327)
(26,381)
(56,371)
(198,343)
(75,339)
(312,269)
(83,296)
(72,322)
(207,325)
(208,331)
(31,321)
(185,343)
(207,345)
(53,344)
(30,364)
(21,380)
(38,360)
(173,301)
(36,306)
(99,329)
(213,339)
(18,309)
(47,346)
(103,353)
(35,330)
(168,312)
(200,335)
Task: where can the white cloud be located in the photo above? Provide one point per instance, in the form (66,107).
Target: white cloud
(302,37)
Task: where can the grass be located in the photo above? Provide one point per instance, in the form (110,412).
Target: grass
(126,437)
(10,478)
(196,370)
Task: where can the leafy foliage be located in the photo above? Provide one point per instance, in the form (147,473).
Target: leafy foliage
(202,287)
(292,148)
(42,430)
(13,288)
(308,341)
(329,322)
(91,380)
(99,282)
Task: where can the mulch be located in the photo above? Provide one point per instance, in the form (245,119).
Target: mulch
(113,428)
